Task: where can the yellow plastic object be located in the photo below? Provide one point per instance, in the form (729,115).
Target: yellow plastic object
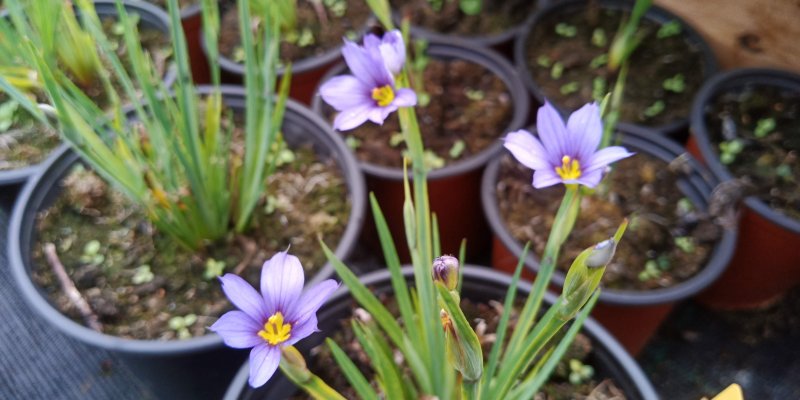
(732,392)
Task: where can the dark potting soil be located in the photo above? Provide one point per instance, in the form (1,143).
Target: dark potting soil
(667,240)
(562,66)
(26,142)
(468,105)
(136,280)
(484,318)
(495,16)
(755,130)
(319,29)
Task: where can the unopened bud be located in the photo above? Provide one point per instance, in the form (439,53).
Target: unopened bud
(601,254)
(294,365)
(445,270)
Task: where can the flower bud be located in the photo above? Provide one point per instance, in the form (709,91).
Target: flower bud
(445,270)
(601,254)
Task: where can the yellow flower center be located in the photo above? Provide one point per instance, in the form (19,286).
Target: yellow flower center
(275,331)
(384,95)
(570,169)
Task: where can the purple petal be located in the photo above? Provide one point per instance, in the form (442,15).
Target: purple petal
(552,132)
(345,92)
(352,118)
(313,298)
(244,296)
(543,178)
(591,178)
(302,330)
(393,51)
(527,149)
(605,157)
(238,330)
(366,65)
(405,98)
(379,114)
(264,360)
(585,130)
(281,282)
(371,41)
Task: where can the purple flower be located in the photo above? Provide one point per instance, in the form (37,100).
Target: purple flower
(280,316)
(370,93)
(565,154)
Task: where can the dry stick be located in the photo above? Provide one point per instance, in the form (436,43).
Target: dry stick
(250,249)
(70,290)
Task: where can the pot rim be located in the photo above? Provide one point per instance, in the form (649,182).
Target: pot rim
(599,335)
(730,80)
(697,187)
(33,190)
(452,49)
(654,13)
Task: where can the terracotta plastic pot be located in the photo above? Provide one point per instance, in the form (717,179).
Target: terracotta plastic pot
(632,316)
(197,368)
(767,259)
(454,191)
(677,129)
(479,284)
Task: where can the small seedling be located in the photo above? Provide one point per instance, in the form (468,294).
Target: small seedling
(432,160)
(423,99)
(729,150)
(570,87)
(543,61)
(8,111)
(213,269)
(651,271)
(181,325)
(654,109)
(579,372)
(270,205)
(599,37)
(685,243)
(675,84)
(557,70)
(337,7)
(599,88)
(396,139)
(352,142)
(685,206)
(458,149)
(764,127)
(671,28)
(599,61)
(142,274)
(785,172)
(474,95)
(91,253)
(566,30)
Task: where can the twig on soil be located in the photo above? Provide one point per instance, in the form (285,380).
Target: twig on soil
(250,249)
(70,290)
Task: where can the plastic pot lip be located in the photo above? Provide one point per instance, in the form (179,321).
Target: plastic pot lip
(600,336)
(697,186)
(63,157)
(488,59)
(655,13)
(713,87)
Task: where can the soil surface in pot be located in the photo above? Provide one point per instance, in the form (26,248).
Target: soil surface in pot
(143,285)
(667,241)
(565,54)
(468,110)
(495,16)
(319,29)
(755,131)
(23,140)
(484,318)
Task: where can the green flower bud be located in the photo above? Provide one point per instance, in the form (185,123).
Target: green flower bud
(445,270)
(601,254)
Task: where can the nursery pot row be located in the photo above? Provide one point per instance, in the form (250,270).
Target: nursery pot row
(632,316)
(479,284)
(766,262)
(199,367)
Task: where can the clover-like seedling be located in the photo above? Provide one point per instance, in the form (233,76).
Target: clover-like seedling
(181,324)
(557,70)
(685,243)
(142,274)
(654,109)
(570,87)
(764,127)
(91,253)
(566,30)
(676,84)
(458,149)
(579,372)
(669,29)
(474,94)
(729,150)
(543,61)
(214,268)
(352,142)
(599,37)
(337,7)
(599,61)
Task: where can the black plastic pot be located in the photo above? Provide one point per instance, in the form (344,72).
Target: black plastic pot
(767,261)
(455,189)
(479,284)
(632,316)
(197,368)
(151,17)
(675,129)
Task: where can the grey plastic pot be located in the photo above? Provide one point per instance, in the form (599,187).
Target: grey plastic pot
(632,316)
(454,190)
(675,129)
(768,239)
(197,368)
(479,284)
